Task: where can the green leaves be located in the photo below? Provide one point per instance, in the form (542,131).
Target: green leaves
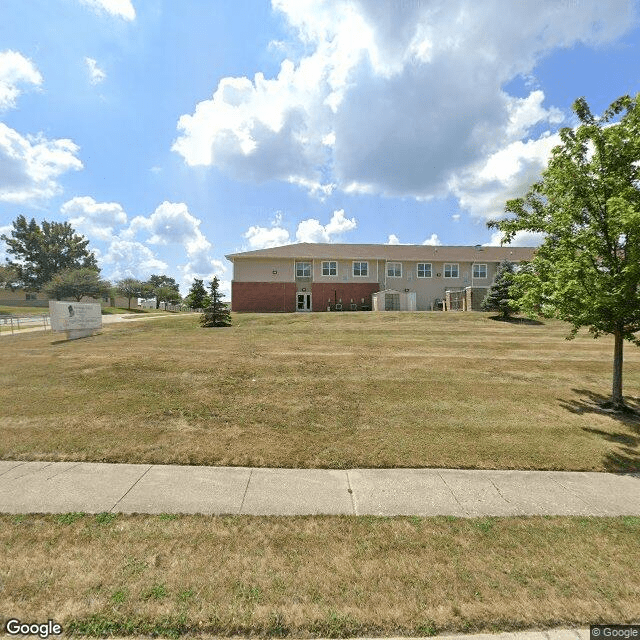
(587,271)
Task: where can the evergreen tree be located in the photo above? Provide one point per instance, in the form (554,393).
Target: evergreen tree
(42,252)
(197,297)
(500,297)
(217,313)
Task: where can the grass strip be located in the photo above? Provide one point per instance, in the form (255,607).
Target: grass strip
(317,576)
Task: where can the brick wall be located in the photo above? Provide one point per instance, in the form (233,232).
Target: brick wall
(321,293)
(263,297)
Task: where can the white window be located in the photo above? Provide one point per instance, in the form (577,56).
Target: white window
(329,268)
(360,269)
(303,269)
(424,269)
(451,270)
(394,270)
(479,270)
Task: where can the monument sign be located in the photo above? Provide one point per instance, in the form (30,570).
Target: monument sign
(78,319)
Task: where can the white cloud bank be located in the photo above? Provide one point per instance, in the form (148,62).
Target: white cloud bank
(398,98)
(30,166)
(118,8)
(15,71)
(309,230)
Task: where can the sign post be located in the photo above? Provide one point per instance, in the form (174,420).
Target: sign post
(78,319)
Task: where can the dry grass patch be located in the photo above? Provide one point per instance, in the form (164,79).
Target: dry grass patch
(310,576)
(319,390)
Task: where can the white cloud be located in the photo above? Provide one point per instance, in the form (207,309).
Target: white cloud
(96,75)
(433,241)
(483,188)
(130,259)
(521,239)
(456,217)
(96,219)
(266,237)
(400,98)
(312,231)
(119,8)
(15,70)
(393,239)
(171,223)
(309,230)
(30,166)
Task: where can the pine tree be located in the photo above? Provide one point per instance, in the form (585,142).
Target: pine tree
(217,313)
(500,296)
(197,297)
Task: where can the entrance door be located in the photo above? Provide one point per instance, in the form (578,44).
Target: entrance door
(303,301)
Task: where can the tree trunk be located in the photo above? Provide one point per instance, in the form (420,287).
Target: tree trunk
(617,402)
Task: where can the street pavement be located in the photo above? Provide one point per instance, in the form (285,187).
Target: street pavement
(59,487)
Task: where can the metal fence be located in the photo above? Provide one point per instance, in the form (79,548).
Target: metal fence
(16,323)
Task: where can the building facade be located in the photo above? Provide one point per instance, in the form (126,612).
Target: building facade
(342,277)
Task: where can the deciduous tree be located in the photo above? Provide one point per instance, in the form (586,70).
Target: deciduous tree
(164,288)
(42,252)
(77,283)
(587,271)
(130,288)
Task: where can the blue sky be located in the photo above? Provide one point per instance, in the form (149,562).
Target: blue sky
(173,133)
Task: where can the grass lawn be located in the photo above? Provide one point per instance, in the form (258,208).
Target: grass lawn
(23,311)
(317,576)
(456,390)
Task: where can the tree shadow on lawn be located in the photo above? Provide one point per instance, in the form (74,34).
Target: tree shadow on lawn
(516,320)
(626,457)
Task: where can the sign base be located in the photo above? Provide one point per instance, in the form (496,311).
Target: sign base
(74,334)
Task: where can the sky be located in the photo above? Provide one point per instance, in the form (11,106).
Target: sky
(173,133)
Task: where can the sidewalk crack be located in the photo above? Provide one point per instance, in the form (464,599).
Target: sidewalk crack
(353,495)
(124,495)
(244,495)
(64,470)
(19,464)
(575,495)
(455,497)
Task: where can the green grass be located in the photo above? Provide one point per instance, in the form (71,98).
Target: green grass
(318,576)
(6,310)
(320,390)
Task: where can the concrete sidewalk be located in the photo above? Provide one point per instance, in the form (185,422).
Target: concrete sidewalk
(58,487)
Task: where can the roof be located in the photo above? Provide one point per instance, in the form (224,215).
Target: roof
(309,250)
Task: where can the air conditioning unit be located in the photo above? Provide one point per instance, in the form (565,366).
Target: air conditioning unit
(338,307)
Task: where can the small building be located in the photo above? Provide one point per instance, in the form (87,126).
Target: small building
(342,277)
(391,300)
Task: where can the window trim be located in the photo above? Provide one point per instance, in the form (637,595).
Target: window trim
(387,269)
(309,264)
(451,264)
(418,270)
(329,262)
(486,270)
(360,262)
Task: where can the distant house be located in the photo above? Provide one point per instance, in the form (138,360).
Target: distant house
(22,298)
(343,277)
